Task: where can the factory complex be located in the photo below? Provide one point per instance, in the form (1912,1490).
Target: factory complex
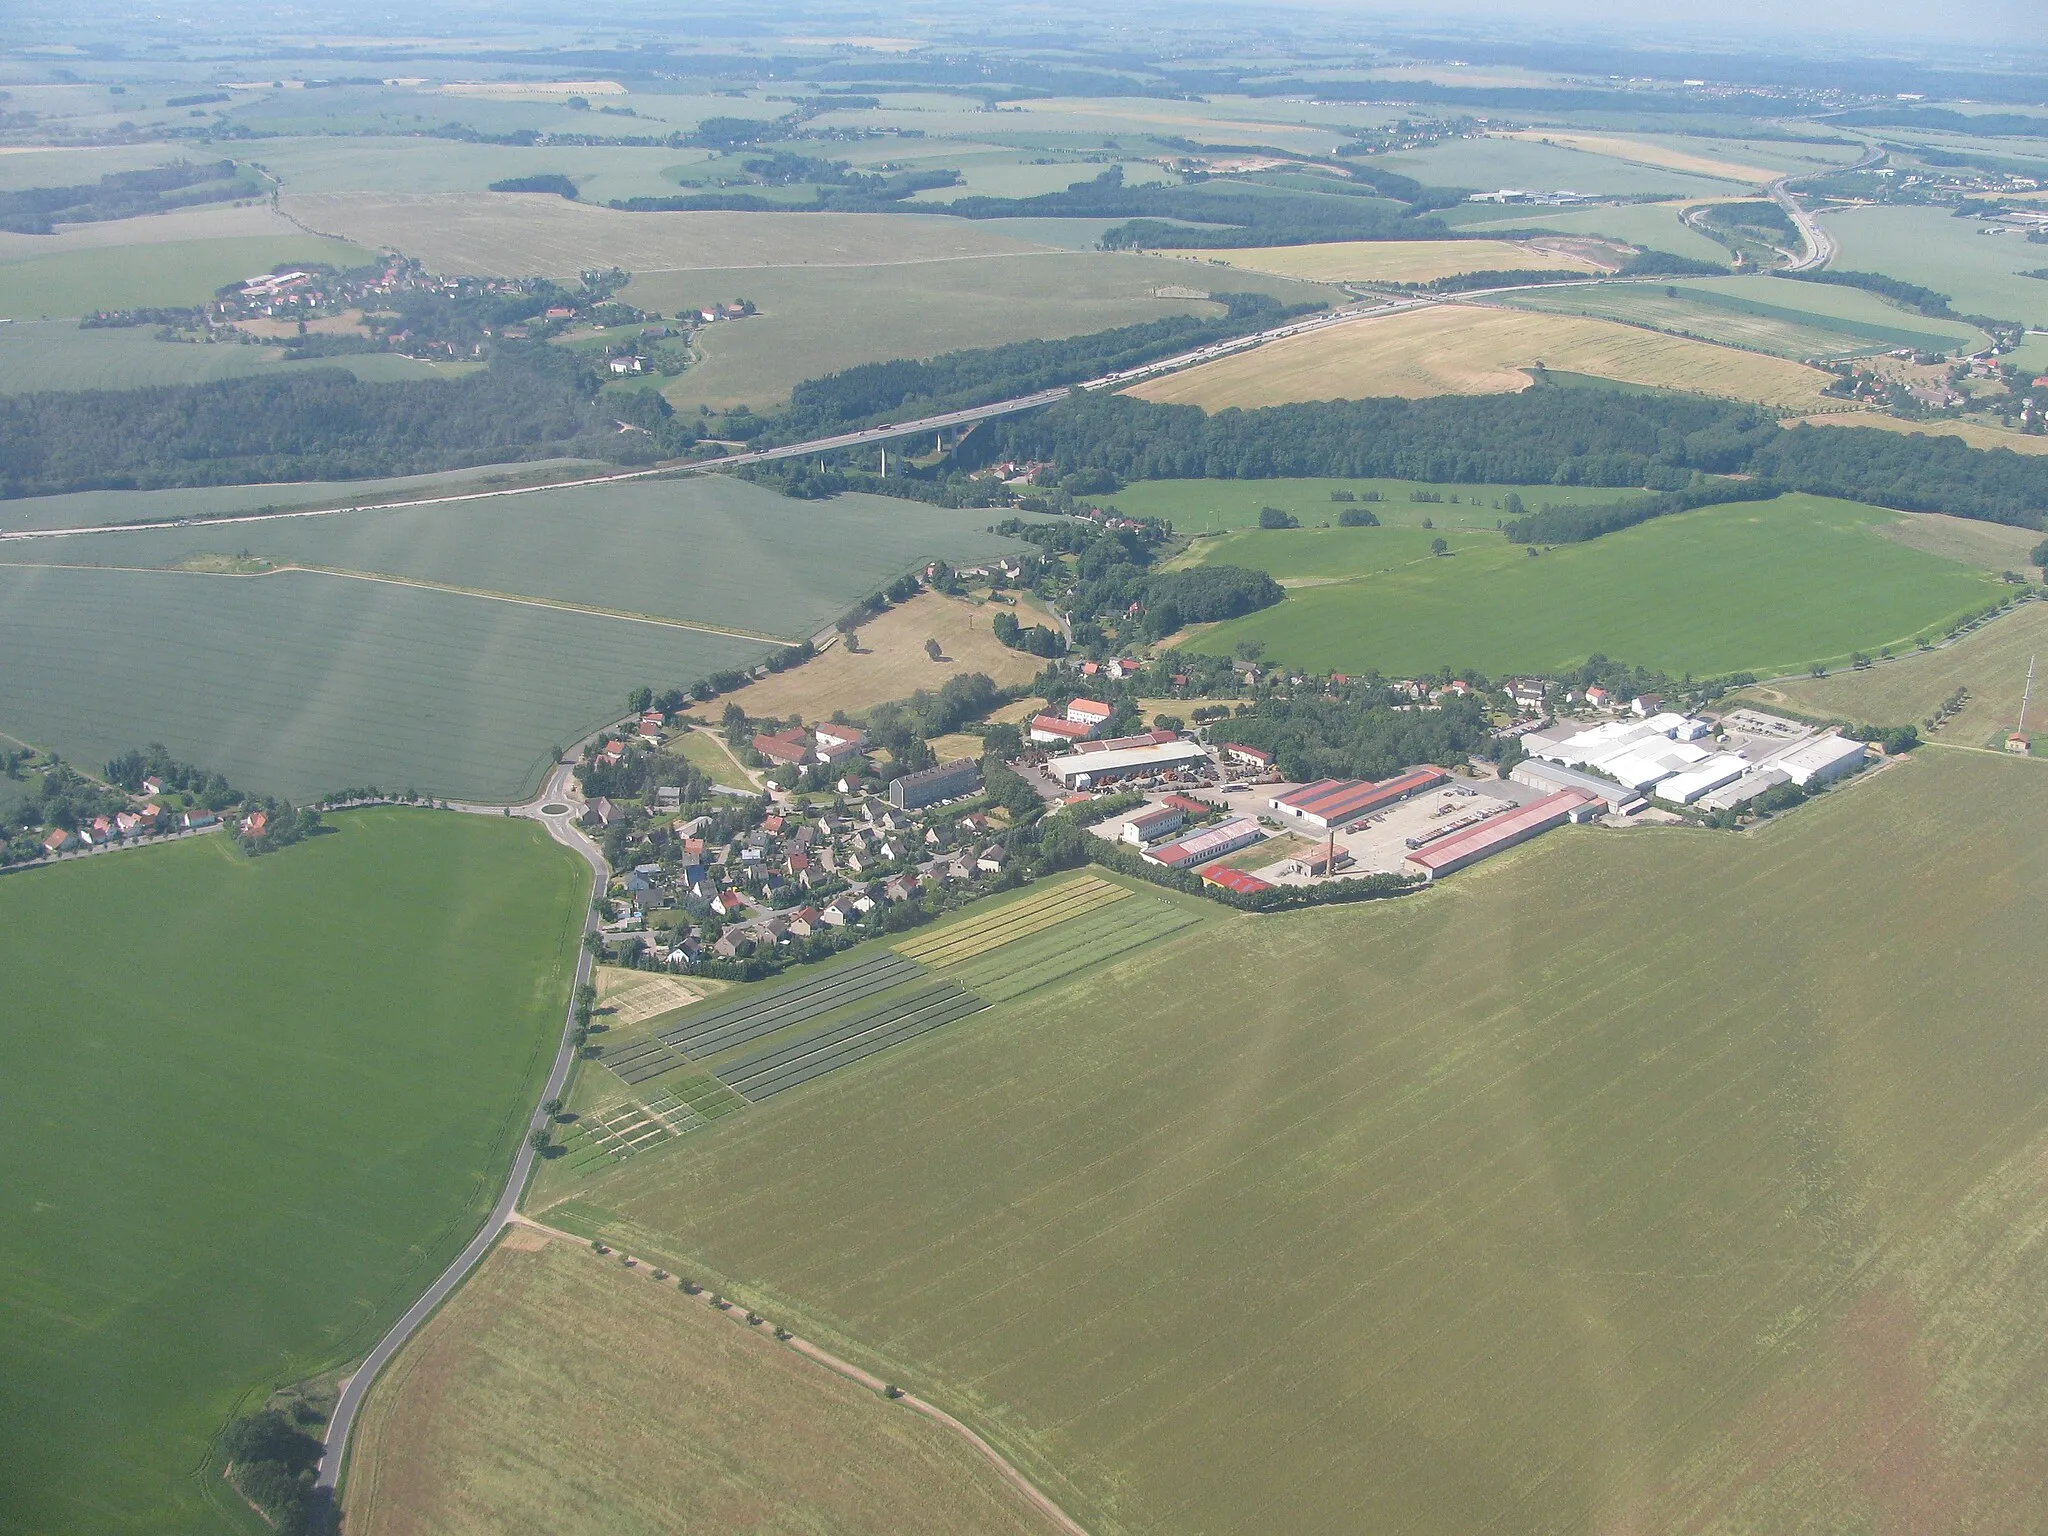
(1684,761)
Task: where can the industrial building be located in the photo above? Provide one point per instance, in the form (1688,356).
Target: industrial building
(1551,777)
(1684,788)
(1820,761)
(1502,832)
(1052,730)
(1152,823)
(1234,880)
(948,781)
(1744,789)
(1225,837)
(1330,803)
(1634,753)
(1085,770)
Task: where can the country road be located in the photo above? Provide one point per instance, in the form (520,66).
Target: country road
(563,830)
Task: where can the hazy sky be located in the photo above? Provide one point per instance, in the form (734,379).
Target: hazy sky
(1851,25)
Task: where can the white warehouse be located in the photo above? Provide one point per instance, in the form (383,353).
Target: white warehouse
(1821,760)
(1686,787)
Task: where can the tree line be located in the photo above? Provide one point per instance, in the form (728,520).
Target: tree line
(124,195)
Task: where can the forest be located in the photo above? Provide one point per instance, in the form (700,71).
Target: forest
(123,195)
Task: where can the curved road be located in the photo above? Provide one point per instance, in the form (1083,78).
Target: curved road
(563,830)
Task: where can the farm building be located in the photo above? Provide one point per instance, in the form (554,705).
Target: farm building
(948,781)
(1329,803)
(1820,761)
(1715,773)
(1249,757)
(1551,777)
(1500,832)
(1225,878)
(1088,711)
(1186,805)
(786,747)
(1225,837)
(1151,824)
(1054,731)
(1084,770)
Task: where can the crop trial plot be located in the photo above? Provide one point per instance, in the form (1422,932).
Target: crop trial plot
(991,930)
(1075,945)
(769,1072)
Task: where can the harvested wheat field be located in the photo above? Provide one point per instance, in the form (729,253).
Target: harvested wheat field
(559,1391)
(892,662)
(505,234)
(1466,349)
(1404,261)
(1636,152)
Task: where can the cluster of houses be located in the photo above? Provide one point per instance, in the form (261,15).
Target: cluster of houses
(799,873)
(145,819)
(830,746)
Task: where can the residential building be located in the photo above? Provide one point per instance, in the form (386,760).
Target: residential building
(948,781)
(1088,711)
(1055,731)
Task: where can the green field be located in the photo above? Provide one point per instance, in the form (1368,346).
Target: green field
(1979,272)
(168,273)
(1763,587)
(299,683)
(919,309)
(705,549)
(56,354)
(1210,506)
(1485,164)
(1797,320)
(253,1107)
(1640,1182)
(337,164)
(1655,226)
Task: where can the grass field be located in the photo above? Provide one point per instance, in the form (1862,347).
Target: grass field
(1496,161)
(325,164)
(72,282)
(296,683)
(1979,272)
(1403,261)
(1773,316)
(892,662)
(510,235)
(244,1136)
(1467,349)
(56,354)
(707,549)
(1625,1183)
(1993,547)
(1205,506)
(1658,154)
(917,309)
(1654,226)
(1763,587)
(554,1368)
(1991,663)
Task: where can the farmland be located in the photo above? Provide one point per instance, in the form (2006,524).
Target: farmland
(1624,1178)
(917,309)
(1795,320)
(1465,349)
(892,662)
(555,1367)
(1979,272)
(1496,161)
(712,550)
(1661,155)
(1990,664)
(56,354)
(299,683)
(1402,261)
(252,1129)
(1762,587)
(1654,226)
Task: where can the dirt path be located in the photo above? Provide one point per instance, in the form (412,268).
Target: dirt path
(873,1383)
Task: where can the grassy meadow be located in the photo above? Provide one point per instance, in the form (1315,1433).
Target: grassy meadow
(1654,226)
(1473,349)
(1669,1181)
(1498,161)
(56,354)
(299,683)
(165,273)
(1401,261)
(554,1367)
(1759,586)
(1217,506)
(254,1106)
(707,549)
(1980,272)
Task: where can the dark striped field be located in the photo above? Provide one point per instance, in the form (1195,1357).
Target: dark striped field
(768,1072)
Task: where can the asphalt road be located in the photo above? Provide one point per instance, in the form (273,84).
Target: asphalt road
(563,830)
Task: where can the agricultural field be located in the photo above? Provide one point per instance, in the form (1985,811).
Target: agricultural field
(1497,161)
(512,234)
(1403,261)
(1990,664)
(56,354)
(1470,349)
(1660,154)
(554,1367)
(318,165)
(251,1130)
(1980,272)
(1793,320)
(298,683)
(1760,586)
(1653,226)
(919,309)
(1993,547)
(1217,506)
(709,550)
(892,662)
(98,509)
(1623,1180)
(131,276)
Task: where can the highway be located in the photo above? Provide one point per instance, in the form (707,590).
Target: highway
(563,829)
(1820,245)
